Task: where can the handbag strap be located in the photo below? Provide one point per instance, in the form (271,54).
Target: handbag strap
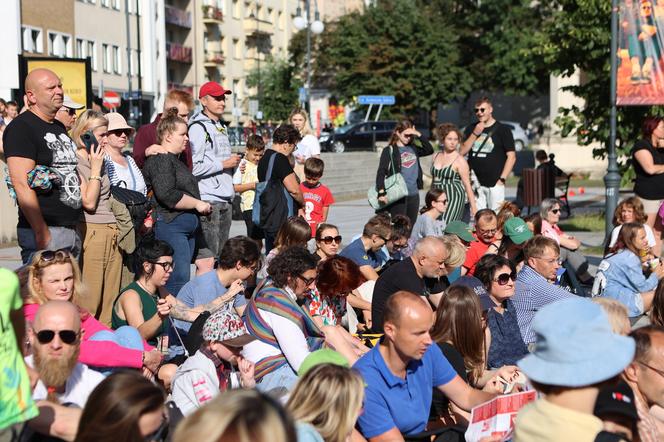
(394,171)
(131,172)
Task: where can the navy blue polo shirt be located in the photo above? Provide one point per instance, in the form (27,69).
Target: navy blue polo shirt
(356,253)
(390,401)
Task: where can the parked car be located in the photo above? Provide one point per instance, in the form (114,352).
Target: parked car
(358,136)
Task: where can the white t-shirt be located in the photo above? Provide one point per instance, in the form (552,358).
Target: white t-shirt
(650,236)
(308,147)
(78,387)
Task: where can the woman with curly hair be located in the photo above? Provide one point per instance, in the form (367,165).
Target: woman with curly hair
(630,210)
(285,332)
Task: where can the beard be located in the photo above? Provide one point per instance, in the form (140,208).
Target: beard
(54,372)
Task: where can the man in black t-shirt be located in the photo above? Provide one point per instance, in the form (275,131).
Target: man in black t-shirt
(284,140)
(490,148)
(47,216)
(423,273)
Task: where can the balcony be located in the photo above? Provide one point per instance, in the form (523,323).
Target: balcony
(251,25)
(178,52)
(177,17)
(213,58)
(212,14)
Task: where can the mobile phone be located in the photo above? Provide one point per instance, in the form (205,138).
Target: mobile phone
(89,140)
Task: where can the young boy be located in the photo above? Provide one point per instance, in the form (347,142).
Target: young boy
(245,183)
(317,197)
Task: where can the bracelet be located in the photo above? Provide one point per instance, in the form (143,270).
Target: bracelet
(143,358)
(95,177)
(477,135)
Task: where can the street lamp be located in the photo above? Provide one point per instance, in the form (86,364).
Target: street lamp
(316,26)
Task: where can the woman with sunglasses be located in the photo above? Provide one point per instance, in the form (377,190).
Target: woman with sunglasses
(328,241)
(622,275)
(285,331)
(121,168)
(506,346)
(569,245)
(402,155)
(56,276)
(428,221)
(101,260)
(124,407)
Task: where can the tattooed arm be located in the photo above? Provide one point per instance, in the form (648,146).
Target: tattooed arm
(183,312)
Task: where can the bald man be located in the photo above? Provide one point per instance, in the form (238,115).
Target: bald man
(423,273)
(47,217)
(401,372)
(55,339)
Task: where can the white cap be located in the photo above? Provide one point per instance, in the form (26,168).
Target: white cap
(71,104)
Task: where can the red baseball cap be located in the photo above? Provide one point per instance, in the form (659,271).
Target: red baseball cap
(214,89)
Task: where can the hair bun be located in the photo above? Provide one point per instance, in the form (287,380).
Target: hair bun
(172,112)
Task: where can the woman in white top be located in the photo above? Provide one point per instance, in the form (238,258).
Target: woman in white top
(309,146)
(121,169)
(630,210)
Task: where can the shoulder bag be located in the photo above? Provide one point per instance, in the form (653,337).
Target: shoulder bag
(395,188)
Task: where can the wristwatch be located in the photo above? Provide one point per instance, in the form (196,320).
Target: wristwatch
(502,180)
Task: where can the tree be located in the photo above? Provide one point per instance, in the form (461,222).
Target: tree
(578,37)
(279,88)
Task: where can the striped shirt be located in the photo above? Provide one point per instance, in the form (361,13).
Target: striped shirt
(134,180)
(532,293)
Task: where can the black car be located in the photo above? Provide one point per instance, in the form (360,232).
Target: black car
(358,136)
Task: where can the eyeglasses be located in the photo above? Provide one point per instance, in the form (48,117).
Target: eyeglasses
(383,238)
(555,211)
(51,255)
(119,132)
(70,112)
(66,336)
(307,281)
(166,265)
(656,370)
(443,201)
(480,110)
(504,278)
(397,246)
(328,239)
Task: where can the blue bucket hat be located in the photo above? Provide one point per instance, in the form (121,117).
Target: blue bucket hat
(575,345)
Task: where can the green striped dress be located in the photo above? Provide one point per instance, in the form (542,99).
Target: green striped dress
(450,181)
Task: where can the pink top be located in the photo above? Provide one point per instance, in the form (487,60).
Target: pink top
(98,353)
(551,231)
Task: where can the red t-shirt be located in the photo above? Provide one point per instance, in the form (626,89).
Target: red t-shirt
(473,254)
(315,199)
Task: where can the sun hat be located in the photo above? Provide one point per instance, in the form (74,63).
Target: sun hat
(517,230)
(322,356)
(575,346)
(616,400)
(71,104)
(227,327)
(116,122)
(460,229)
(214,89)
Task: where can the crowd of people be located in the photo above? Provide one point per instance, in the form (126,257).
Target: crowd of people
(292,332)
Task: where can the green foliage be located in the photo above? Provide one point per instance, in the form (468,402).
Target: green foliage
(279,88)
(578,36)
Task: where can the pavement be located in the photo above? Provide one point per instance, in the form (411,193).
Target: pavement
(351,215)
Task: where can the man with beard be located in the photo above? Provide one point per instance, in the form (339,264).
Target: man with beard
(64,384)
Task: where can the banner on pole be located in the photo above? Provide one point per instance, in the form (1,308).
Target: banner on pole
(641,39)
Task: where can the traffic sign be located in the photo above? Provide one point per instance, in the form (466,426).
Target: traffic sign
(302,95)
(111,100)
(385,100)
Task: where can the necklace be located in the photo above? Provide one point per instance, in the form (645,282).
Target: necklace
(153,296)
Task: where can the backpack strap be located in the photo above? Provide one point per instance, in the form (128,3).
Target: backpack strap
(208,138)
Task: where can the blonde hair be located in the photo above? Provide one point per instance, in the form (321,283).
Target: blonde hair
(456,250)
(88,120)
(238,416)
(617,313)
(307,129)
(35,270)
(328,397)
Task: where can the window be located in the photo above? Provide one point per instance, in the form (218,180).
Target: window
(80,48)
(60,45)
(134,62)
(236,86)
(281,20)
(32,40)
(92,53)
(237,49)
(105,3)
(117,60)
(270,15)
(116,5)
(106,60)
(236,9)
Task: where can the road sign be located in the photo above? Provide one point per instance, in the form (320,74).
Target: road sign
(302,95)
(253,108)
(386,100)
(111,100)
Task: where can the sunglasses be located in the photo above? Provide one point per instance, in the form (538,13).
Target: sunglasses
(51,255)
(396,246)
(555,211)
(168,265)
(119,132)
(307,281)
(504,278)
(329,239)
(66,336)
(442,201)
(220,98)
(70,112)
(480,110)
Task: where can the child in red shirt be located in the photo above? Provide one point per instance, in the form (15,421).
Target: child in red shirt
(317,197)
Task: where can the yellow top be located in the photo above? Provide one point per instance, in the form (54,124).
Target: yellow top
(544,421)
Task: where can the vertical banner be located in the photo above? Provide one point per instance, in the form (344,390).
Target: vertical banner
(641,39)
